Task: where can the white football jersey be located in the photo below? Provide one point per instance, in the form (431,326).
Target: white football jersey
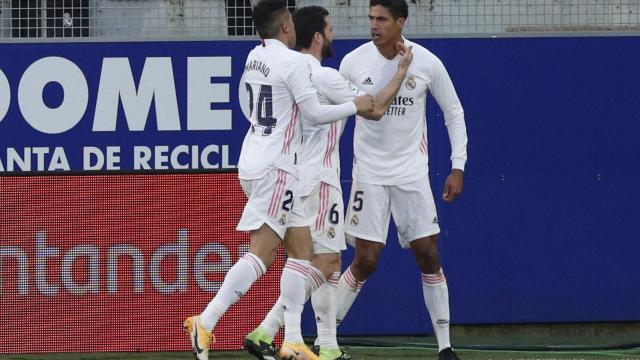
(278,86)
(394,150)
(320,160)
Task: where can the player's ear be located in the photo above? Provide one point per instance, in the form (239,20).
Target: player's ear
(284,26)
(317,37)
(400,22)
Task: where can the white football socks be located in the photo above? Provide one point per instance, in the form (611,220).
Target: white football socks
(348,290)
(236,283)
(275,318)
(325,306)
(436,297)
(293,294)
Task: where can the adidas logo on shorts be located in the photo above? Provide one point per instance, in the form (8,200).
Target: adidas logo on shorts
(367,81)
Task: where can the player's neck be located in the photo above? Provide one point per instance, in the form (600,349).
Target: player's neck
(283,38)
(316,53)
(389,50)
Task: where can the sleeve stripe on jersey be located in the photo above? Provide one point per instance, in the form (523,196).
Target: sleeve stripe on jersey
(291,129)
(277,193)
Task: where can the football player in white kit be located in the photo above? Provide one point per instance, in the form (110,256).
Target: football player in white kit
(390,167)
(279,88)
(321,189)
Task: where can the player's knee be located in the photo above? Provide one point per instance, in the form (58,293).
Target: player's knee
(430,254)
(426,253)
(366,259)
(268,258)
(431,266)
(326,263)
(363,267)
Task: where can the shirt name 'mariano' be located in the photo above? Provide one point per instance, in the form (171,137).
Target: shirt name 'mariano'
(256,65)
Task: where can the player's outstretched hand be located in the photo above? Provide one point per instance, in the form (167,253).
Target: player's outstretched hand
(406,53)
(365,104)
(453,185)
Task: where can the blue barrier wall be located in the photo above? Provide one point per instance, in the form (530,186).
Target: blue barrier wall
(544,230)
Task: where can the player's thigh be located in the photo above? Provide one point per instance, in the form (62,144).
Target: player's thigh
(264,244)
(297,241)
(270,201)
(414,211)
(326,209)
(368,213)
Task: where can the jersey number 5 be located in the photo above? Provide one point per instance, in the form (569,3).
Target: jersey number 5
(264,108)
(357,200)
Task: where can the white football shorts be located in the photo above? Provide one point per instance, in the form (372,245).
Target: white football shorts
(371,207)
(270,200)
(324,214)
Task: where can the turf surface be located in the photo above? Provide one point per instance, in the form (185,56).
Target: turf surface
(358,353)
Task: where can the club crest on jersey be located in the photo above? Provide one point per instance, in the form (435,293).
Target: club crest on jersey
(331,233)
(410,84)
(355,220)
(352,87)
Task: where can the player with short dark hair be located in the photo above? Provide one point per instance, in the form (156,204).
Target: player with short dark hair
(391,164)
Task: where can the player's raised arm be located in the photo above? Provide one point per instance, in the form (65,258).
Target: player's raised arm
(307,99)
(385,97)
(317,113)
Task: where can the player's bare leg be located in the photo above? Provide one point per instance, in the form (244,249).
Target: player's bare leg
(435,291)
(366,258)
(426,253)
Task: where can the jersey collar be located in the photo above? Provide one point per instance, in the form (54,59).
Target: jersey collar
(274,42)
(314,60)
